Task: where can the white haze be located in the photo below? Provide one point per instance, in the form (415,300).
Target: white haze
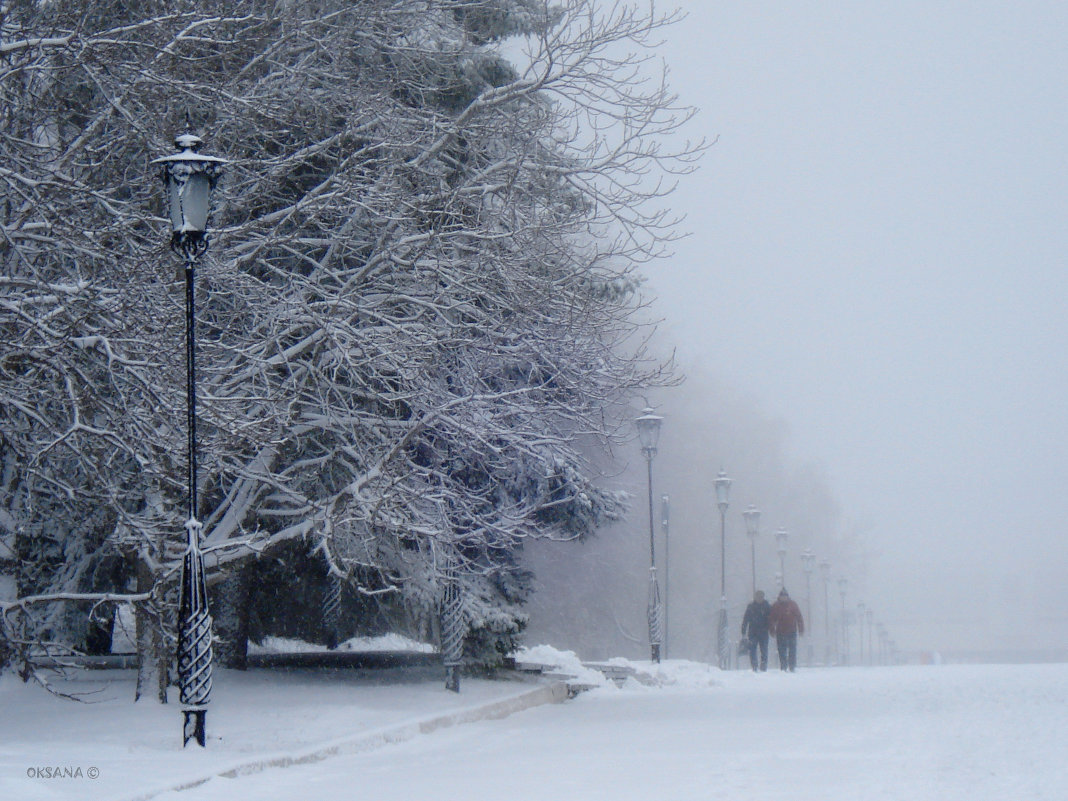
(872,314)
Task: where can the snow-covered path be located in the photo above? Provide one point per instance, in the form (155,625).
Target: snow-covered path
(952,733)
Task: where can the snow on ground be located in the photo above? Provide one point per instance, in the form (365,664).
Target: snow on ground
(254,716)
(675,731)
(387,642)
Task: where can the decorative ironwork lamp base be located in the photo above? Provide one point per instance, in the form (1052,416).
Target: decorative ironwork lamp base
(722,641)
(193,727)
(452,678)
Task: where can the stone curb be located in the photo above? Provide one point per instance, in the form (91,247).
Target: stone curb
(553,693)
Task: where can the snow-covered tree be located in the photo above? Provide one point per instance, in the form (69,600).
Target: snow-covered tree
(418,310)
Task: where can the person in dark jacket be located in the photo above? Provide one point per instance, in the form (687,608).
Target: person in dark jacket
(785,623)
(755,628)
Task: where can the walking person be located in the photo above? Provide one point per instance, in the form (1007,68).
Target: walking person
(755,629)
(785,623)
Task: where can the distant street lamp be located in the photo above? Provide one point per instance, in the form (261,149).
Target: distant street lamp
(190,178)
(808,560)
(723,489)
(664,508)
(825,570)
(752,530)
(649,434)
(860,629)
(843,655)
(780,545)
(871,654)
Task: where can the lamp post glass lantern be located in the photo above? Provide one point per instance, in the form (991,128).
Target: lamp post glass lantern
(190,178)
(648,425)
(723,489)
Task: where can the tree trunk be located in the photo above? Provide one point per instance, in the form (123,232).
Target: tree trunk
(152,658)
(99,633)
(20,653)
(231,616)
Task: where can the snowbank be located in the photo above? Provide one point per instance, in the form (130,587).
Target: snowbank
(388,642)
(624,674)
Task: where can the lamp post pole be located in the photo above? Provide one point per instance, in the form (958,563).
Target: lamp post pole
(190,178)
(664,510)
(780,538)
(649,433)
(723,488)
(453,627)
(860,630)
(808,559)
(752,530)
(825,571)
(871,654)
(843,655)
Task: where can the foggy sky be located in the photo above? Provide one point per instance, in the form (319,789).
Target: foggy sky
(878,259)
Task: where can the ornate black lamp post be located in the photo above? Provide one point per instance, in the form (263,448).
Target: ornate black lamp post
(649,434)
(723,489)
(752,530)
(190,178)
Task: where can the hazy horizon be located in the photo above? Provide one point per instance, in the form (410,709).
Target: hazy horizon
(875,288)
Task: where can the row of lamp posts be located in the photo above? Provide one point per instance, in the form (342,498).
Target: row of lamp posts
(867,629)
(190,178)
(648,424)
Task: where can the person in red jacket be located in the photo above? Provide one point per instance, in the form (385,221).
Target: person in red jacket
(785,624)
